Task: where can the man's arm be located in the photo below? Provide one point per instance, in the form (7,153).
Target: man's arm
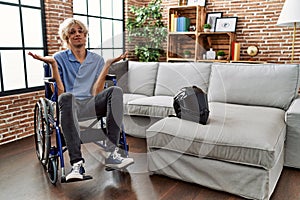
(99,84)
(54,68)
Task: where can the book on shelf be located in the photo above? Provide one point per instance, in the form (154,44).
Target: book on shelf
(183,24)
(235,51)
(173,22)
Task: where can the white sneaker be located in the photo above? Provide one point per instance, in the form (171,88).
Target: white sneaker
(77,172)
(116,161)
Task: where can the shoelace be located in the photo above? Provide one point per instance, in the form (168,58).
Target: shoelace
(76,168)
(117,155)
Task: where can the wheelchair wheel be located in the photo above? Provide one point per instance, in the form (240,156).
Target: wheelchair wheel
(52,169)
(41,132)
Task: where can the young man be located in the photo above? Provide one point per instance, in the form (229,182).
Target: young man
(80,75)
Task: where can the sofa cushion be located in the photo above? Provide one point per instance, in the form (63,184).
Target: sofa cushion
(171,77)
(272,85)
(155,106)
(251,135)
(129,97)
(142,77)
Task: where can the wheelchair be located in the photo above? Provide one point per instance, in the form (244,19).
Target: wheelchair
(49,141)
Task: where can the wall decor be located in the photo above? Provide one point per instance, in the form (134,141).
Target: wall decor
(211,19)
(226,24)
(196,2)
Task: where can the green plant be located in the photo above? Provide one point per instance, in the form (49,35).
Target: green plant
(207,26)
(187,52)
(220,53)
(147,30)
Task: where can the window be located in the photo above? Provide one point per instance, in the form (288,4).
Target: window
(21,32)
(105,21)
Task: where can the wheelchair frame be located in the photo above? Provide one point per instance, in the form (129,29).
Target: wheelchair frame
(50,150)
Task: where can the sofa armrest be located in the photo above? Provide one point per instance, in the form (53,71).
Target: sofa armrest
(292,144)
(293,113)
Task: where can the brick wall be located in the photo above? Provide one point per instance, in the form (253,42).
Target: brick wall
(56,11)
(16,113)
(256,26)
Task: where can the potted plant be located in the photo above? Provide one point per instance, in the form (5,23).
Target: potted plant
(220,55)
(187,53)
(206,27)
(147,31)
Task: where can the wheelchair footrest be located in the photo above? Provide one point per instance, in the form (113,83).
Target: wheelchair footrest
(85,177)
(109,169)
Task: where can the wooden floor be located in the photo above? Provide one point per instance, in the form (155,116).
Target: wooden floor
(23,177)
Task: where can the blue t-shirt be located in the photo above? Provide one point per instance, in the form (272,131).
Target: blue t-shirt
(77,78)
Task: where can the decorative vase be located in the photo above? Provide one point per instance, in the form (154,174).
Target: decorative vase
(211,54)
(206,30)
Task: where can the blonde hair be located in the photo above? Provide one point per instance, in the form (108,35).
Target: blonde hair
(65,27)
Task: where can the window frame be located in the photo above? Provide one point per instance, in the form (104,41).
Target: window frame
(24,49)
(88,16)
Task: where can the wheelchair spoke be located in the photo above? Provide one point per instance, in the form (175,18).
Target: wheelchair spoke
(41,128)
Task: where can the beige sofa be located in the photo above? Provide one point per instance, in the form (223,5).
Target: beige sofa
(252,132)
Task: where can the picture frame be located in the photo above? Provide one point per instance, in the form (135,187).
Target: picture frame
(182,2)
(226,24)
(196,2)
(211,19)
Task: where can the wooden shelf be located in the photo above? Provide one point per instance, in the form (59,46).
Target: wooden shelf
(181,60)
(195,13)
(222,61)
(183,33)
(216,33)
(178,42)
(198,42)
(248,61)
(218,41)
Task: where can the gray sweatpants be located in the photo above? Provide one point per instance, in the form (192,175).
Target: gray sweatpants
(108,103)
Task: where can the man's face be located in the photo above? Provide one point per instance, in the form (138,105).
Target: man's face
(77,37)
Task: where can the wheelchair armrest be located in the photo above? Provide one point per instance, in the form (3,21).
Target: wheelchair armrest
(51,91)
(110,77)
(49,80)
